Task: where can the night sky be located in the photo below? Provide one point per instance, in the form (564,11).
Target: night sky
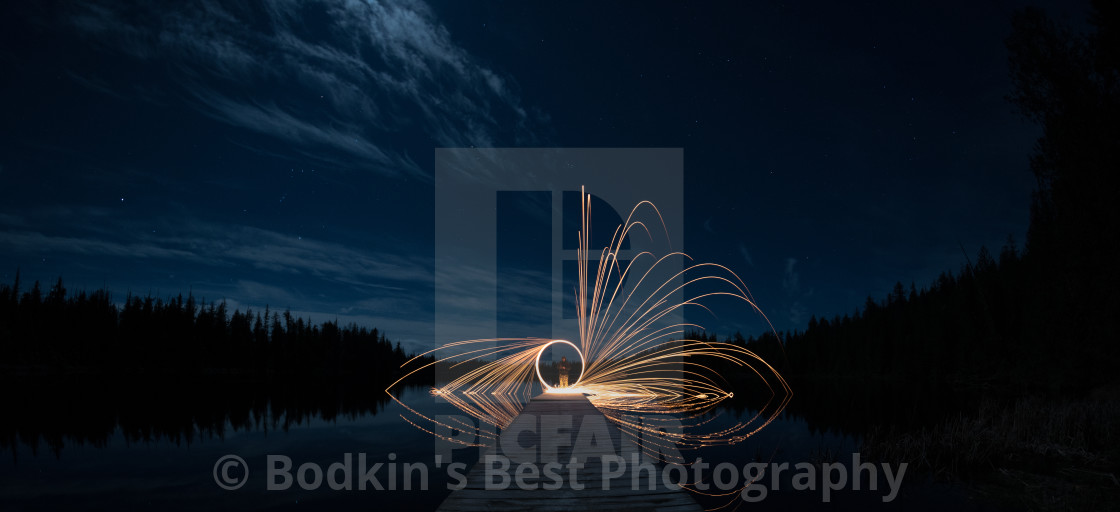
(283,153)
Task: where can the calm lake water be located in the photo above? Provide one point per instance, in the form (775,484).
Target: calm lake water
(72,468)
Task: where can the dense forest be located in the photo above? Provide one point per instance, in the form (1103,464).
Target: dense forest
(90,333)
(984,327)
(178,369)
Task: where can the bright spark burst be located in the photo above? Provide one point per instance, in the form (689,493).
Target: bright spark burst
(632,364)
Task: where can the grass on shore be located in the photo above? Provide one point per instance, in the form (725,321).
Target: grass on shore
(1033,454)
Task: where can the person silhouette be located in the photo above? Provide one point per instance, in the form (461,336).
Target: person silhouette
(563,369)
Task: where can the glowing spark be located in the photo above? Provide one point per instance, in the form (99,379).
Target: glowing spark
(634,361)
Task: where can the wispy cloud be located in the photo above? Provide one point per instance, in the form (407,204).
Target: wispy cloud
(324,280)
(746,254)
(366,74)
(791,280)
(234,245)
(798,314)
(12,220)
(791,283)
(271,119)
(39,242)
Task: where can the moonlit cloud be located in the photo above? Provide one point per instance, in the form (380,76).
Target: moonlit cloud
(746,254)
(205,114)
(376,72)
(369,287)
(220,245)
(354,84)
(791,280)
(798,314)
(40,242)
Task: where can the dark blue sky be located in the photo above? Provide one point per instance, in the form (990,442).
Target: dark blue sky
(282,153)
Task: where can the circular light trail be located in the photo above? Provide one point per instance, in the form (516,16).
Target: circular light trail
(582,365)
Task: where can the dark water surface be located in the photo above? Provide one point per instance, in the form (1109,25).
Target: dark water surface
(119,471)
(68,445)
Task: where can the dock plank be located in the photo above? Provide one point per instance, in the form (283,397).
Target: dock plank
(610,487)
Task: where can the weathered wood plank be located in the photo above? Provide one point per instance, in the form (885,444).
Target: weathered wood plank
(622,495)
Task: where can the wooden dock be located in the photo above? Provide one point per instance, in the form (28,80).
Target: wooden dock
(625,492)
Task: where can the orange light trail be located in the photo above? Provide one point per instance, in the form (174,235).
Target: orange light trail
(633,364)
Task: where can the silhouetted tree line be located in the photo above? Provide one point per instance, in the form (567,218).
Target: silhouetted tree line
(146,335)
(988,327)
(975,327)
(918,354)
